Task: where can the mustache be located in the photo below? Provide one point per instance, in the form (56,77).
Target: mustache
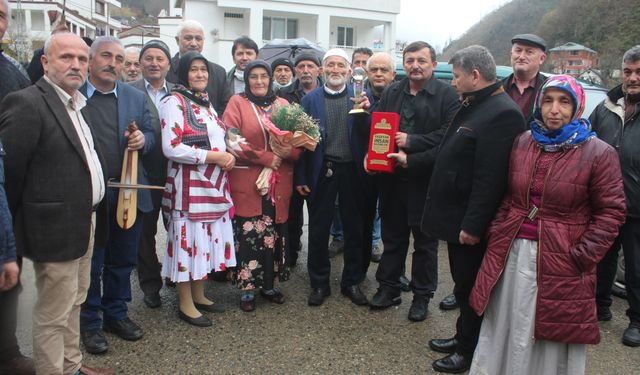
(75,74)
(109,69)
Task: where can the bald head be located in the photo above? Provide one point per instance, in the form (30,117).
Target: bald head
(65,61)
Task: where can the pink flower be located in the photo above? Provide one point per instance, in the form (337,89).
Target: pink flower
(253,264)
(260,226)
(244,274)
(268,220)
(247,226)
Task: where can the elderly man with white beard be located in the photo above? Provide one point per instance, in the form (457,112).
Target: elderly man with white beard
(335,167)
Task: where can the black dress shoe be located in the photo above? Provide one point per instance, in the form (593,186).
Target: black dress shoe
(385,297)
(125,329)
(418,309)
(201,321)
(214,307)
(19,365)
(355,295)
(277,297)
(443,345)
(449,302)
(454,363)
(405,284)
(94,341)
(317,296)
(631,336)
(152,300)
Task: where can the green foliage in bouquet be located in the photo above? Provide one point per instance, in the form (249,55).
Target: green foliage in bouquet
(293,118)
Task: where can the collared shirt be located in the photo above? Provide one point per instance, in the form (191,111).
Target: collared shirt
(92,89)
(334,92)
(73,105)
(407,117)
(525,99)
(156,95)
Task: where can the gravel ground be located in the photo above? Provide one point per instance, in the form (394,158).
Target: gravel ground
(337,337)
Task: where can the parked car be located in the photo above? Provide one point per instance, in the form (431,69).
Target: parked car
(618,284)
(443,71)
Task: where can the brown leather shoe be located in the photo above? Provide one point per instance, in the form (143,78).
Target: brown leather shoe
(19,365)
(86,370)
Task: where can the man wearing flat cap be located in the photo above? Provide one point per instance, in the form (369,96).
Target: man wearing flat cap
(307,70)
(155,60)
(282,69)
(528,53)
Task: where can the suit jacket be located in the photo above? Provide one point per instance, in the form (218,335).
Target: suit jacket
(132,105)
(219,92)
(435,107)
(47,176)
(310,165)
(470,173)
(155,163)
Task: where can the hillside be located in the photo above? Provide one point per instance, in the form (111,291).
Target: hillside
(608,26)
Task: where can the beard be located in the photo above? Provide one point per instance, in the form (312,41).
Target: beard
(335,81)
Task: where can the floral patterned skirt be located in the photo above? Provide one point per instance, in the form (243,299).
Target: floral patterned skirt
(259,249)
(194,248)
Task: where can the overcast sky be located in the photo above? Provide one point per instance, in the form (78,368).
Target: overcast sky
(435,21)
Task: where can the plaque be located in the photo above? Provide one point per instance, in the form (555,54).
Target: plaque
(384,126)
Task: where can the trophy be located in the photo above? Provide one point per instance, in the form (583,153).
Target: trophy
(358,78)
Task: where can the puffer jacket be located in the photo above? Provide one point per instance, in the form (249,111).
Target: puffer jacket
(581,211)
(608,122)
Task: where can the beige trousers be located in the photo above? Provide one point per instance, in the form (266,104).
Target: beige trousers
(62,288)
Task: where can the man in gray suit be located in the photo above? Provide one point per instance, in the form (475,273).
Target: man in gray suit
(155,60)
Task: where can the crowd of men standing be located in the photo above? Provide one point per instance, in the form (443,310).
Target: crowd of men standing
(64,137)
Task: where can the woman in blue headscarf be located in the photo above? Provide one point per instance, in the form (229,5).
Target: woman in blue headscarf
(562,211)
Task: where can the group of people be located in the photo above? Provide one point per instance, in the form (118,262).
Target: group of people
(531,198)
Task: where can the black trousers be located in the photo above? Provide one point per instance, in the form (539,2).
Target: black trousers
(629,238)
(396,232)
(148,266)
(294,224)
(464,261)
(9,320)
(369,214)
(344,180)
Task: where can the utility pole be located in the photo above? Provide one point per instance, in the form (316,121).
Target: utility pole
(21,39)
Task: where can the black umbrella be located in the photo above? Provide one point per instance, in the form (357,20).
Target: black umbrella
(289,48)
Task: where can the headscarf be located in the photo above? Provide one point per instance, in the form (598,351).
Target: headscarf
(569,135)
(183,87)
(270,97)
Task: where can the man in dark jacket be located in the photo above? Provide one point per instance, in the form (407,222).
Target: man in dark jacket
(155,61)
(468,181)
(617,121)
(55,182)
(528,53)
(335,167)
(244,50)
(11,360)
(307,70)
(190,37)
(425,105)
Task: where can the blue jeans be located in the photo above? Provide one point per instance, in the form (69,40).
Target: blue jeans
(111,268)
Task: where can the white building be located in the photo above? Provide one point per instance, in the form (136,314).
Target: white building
(33,21)
(330,23)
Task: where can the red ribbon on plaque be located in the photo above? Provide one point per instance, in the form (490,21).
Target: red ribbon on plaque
(384,126)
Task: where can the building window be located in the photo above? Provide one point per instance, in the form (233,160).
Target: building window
(345,36)
(233,15)
(573,53)
(281,28)
(100,7)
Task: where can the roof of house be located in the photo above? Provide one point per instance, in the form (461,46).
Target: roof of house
(571,46)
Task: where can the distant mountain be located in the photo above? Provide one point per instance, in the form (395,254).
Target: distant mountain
(609,27)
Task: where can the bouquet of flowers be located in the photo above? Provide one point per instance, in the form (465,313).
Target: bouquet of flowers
(291,124)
